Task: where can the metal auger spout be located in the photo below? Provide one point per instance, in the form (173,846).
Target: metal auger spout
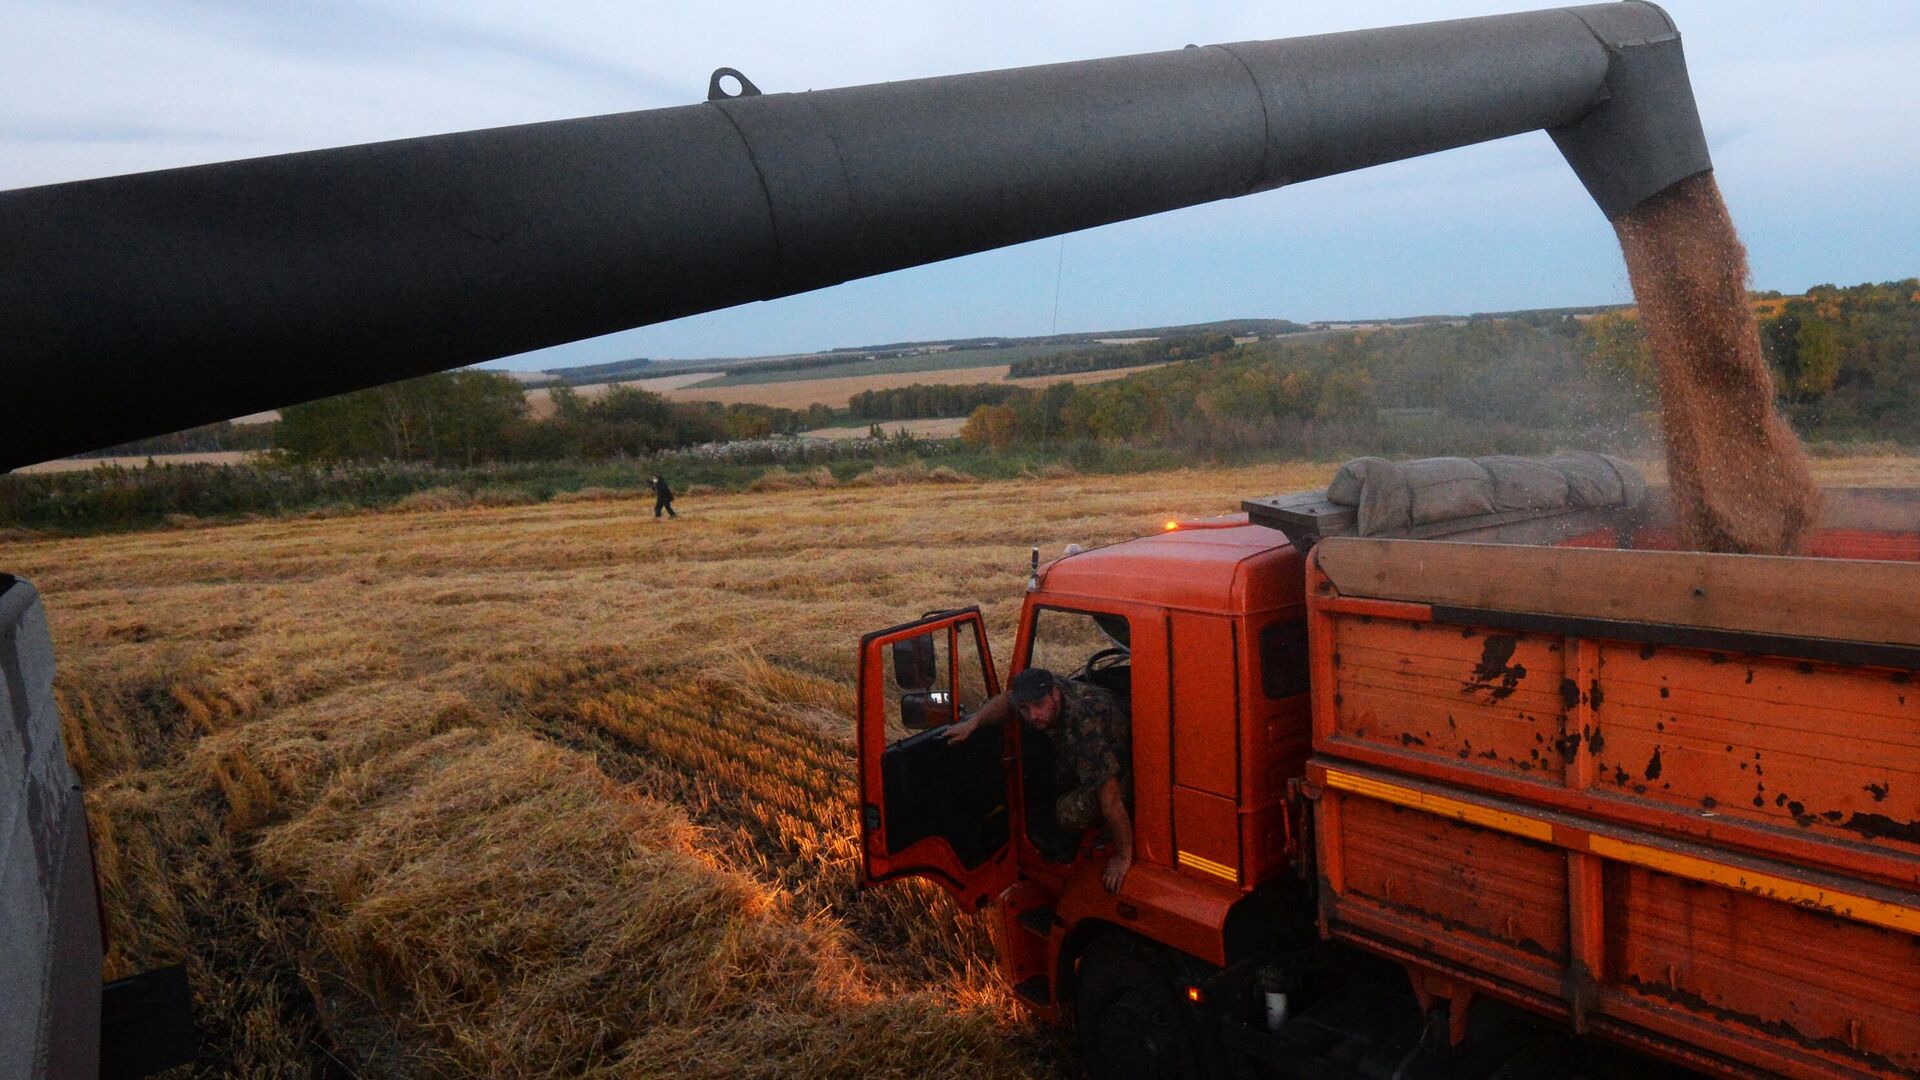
(137,305)
(141,304)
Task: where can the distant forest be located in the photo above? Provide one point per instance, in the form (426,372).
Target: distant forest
(1845,360)
(1139,354)
(927,400)
(1490,385)
(473,417)
(206,438)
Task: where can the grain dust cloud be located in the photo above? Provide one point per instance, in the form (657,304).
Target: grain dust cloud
(1741,481)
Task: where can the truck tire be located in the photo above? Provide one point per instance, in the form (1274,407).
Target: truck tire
(1128,1019)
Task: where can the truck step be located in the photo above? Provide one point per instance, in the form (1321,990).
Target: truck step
(1033,990)
(1037,919)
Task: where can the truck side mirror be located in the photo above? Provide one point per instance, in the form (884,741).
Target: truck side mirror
(913,663)
(923,709)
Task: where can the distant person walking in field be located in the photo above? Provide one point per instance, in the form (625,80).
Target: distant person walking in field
(662,498)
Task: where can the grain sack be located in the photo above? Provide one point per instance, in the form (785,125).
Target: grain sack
(1446,488)
(1394,496)
(1521,484)
(1599,480)
(1377,491)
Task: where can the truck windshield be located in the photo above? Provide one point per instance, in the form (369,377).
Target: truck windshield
(1079,643)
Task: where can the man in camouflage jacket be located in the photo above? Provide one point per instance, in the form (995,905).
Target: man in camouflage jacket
(1093,754)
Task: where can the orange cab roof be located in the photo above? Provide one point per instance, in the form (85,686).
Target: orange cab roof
(1219,564)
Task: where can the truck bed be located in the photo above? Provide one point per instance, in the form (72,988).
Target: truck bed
(1669,796)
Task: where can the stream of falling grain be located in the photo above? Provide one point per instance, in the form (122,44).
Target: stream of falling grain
(1741,481)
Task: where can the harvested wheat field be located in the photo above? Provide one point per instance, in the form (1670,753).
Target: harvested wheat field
(800,393)
(544,790)
(554,789)
(140,461)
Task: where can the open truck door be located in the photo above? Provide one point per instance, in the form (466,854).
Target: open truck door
(930,808)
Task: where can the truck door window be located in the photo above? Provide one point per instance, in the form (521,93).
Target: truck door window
(1283,659)
(971,689)
(932,680)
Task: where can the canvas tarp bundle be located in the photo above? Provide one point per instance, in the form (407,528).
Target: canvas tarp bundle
(1399,495)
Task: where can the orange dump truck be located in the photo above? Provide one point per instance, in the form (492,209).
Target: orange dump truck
(1522,795)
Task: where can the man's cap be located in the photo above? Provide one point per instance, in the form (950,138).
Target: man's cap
(1030,686)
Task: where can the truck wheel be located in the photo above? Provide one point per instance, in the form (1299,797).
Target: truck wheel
(1129,1022)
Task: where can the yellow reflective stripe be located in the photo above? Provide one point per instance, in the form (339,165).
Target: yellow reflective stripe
(1846,905)
(1531,828)
(1208,866)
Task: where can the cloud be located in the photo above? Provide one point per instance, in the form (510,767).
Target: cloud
(360,33)
(345,30)
(15,128)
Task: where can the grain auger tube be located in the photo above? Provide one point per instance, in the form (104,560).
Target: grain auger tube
(141,304)
(136,305)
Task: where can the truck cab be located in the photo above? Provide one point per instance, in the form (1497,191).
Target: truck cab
(1199,629)
(1562,798)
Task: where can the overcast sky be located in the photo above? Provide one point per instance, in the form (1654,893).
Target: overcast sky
(1812,112)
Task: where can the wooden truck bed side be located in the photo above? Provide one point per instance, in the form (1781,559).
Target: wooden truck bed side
(1673,797)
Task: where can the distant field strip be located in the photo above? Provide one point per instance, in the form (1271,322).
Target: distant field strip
(855,366)
(943,428)
(1088,376)
(835,392)
(540,400)
(140,461)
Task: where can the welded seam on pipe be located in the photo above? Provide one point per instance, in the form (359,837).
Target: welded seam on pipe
(1673,29)
(812,222)
(1266,122)
(839,159)
(766,192)
(1604,92)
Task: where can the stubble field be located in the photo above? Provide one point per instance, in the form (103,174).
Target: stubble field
(544,790)
(554,789)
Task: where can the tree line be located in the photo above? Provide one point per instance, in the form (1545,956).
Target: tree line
(207,438)
(472,417)
(1844,362)
(1844,359)
(800,363)
(926,400)
(1138,354)
(1491,384)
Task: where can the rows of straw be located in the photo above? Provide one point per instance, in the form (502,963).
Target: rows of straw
(549,789)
